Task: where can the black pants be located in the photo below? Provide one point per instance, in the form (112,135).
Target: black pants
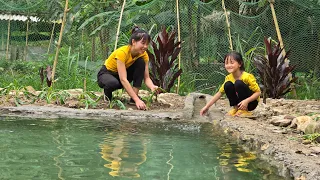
(237,92)
(110,81)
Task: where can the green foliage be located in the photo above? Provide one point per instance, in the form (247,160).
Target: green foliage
(54,95)
(312,137)
(89,99)
(307,86)
(275,71)
(118,103)
(247,48)
(163,69)
(149,99)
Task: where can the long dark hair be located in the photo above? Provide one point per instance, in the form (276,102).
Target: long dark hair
(138,34)
(237,57)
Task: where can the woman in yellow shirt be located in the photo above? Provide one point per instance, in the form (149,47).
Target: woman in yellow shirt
(128,64)
(240,87)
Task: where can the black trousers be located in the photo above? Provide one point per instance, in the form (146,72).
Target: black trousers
(110,81)
(238,92)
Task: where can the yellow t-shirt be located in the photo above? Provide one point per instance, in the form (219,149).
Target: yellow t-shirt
(123,54)
(247,78)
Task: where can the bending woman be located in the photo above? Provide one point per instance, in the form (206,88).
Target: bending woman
(128,64)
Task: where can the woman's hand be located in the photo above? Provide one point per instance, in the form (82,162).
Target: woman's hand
(155,89)
(203,111)
(243,105)
(141,105)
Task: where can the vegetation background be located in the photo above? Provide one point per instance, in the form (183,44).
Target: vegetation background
(90,34)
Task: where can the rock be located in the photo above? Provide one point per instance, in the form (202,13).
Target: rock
(74,92)
(289,117)
(300,178)
(265,146)
(316,150)
(277,131)
(278,110)
(281,122)
(167,98)
(312,127)
(30,89)
(72,104)
(301,123)
(306,142)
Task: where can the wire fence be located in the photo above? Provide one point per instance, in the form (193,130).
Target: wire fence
(204,32)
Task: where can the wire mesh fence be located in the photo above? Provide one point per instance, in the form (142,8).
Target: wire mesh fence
(91,31)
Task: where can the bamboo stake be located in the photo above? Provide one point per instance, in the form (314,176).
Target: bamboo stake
(59,42)
(228,25)
(274,16)
(120,19)
(179,39)
(26,48)
(8,38)
(51,37)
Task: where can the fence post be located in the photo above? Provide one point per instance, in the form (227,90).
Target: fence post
(8,38)
(27,34)
(179,39)
(274,16)
(228,25)
(59,41)
(118,30)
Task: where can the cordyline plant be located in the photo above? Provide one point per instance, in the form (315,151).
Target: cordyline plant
(48,75)
(275,71)
(163,69)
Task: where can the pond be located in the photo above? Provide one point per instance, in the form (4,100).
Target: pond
(95,149)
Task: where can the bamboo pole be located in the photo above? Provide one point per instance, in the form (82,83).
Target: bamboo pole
(26,48)
(118,30)
(274,16)
(275,20)
(8,38)
(51,37)
(179,39)
(228,25)
(59,42)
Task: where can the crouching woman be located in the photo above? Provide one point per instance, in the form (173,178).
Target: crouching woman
(128,64)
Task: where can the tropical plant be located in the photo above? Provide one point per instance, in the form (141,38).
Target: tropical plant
(117,102)
(163,69)
(54,95)
(89,99)
(48,71)
(149,99)
(275,71)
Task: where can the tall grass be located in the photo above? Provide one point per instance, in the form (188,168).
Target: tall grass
(70,74)
(307,86)
(248,48)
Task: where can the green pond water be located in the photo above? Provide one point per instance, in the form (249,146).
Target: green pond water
(92,149)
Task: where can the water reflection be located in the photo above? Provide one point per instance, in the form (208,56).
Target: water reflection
(124,151)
